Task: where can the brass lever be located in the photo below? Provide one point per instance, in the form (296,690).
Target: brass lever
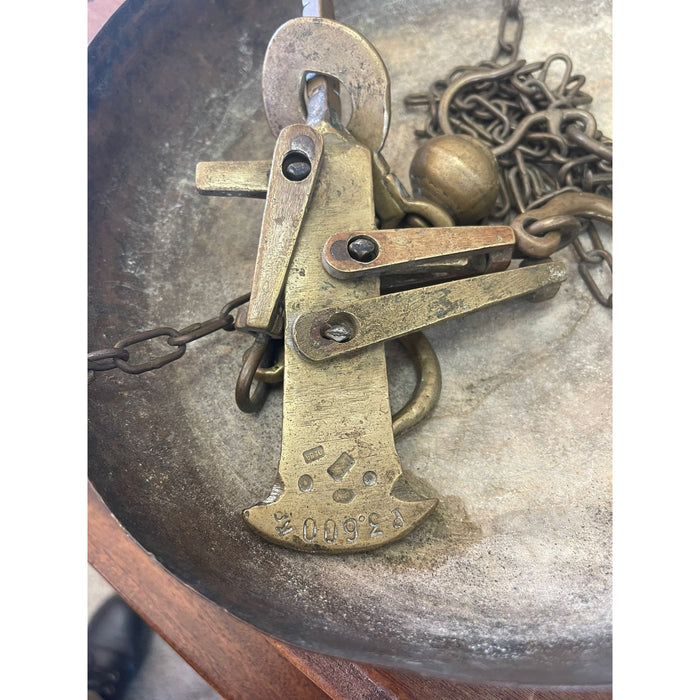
(336,331)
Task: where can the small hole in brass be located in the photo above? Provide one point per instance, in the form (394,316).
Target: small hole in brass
(340,328)
(363,248)
(296,166)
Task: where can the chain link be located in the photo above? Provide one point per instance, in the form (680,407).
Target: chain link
(595,257)
(511,22)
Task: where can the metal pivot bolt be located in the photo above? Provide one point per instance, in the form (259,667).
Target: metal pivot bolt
(296,166)
(340,328)
(363,249)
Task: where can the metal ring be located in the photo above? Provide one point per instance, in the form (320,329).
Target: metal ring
(564,223)
(269,375)
(428,385)
(101,360)
(533,246)
(585,272)
(258,353)
(226,312)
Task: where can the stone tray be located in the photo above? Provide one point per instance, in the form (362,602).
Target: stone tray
(510,579)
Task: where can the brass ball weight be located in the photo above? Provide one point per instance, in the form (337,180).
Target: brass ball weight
(457,172)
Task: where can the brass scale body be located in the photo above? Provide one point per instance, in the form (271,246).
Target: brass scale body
(339,486)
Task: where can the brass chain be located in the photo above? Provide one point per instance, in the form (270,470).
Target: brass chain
(544,142)
(502,104)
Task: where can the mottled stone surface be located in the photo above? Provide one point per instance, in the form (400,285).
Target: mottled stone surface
(510,579)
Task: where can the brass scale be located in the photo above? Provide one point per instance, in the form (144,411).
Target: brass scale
(329,234)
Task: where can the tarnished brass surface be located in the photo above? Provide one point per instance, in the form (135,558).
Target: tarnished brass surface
(425,395)
(412,250)
(227,179)
(331,419)
(390,316)
(339,477)
(287,199)
(274,330)
(457,172)
(338,466)
(338,463)
(335,50)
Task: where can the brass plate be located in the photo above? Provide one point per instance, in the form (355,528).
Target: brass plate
(509,579)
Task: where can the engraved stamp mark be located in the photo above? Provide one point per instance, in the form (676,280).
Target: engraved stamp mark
(343,495)
(369,478)
(373,520)
(339,469)
(398,519)
(313,454)
(286,527)
(306,483)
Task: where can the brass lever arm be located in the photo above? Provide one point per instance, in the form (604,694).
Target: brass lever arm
(331,332)
(356,254)
(292,177)
(233,178)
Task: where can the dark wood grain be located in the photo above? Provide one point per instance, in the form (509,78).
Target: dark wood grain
(344,679)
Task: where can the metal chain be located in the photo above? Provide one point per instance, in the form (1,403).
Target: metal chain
(512,16)
(117,357)
(593,258)
(544,142)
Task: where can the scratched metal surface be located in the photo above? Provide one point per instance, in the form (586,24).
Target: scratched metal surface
(510,579)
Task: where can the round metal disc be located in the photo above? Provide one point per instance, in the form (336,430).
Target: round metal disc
(510,579)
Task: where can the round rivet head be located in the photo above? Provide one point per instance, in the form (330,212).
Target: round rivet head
(363,249)
(296,166)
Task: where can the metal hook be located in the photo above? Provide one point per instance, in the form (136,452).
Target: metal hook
(258,354)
